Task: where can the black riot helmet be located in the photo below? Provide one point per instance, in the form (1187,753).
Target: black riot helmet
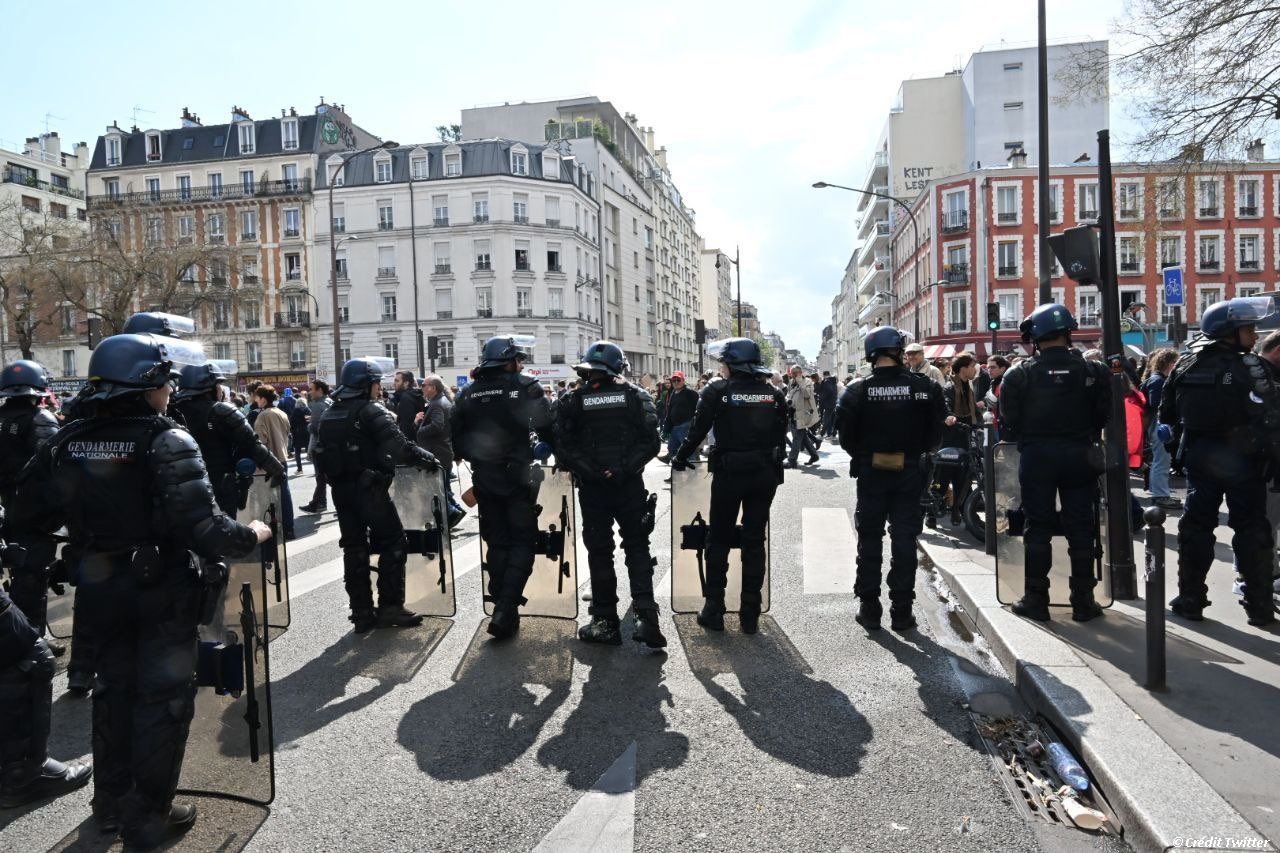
(884,340)
(504,349)
(130,364)
(197,379)
(1047,321)
(23,378)
(359,374)
(605,356)
(156,323)
(742,355)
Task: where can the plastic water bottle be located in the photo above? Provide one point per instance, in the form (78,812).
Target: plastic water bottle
(1067,767)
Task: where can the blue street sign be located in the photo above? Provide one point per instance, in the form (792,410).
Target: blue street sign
(1173,292)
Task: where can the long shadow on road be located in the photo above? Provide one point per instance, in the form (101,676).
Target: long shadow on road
(781,707)
(502,695)
(622,702)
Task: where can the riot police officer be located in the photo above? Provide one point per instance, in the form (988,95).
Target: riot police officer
(1227,404)
(886,423)
(130,486)
(1054,405)
(358,446)
(492,419)
(27,773)
(606,430)
(749,416)
(24,424)
(222,431)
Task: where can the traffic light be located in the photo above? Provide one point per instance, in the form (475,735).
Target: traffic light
(1077,252)
(993,316)
(433,347)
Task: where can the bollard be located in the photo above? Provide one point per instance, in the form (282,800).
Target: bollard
(1155,593)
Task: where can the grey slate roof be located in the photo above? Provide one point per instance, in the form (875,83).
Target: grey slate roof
(479,158)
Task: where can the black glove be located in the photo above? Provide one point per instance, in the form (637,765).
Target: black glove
(680,463)
(40,660)
(276,473)
(425,461)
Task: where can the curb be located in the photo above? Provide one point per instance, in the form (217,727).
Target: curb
(1162,803)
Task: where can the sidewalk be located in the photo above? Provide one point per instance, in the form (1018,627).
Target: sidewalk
(1194,765)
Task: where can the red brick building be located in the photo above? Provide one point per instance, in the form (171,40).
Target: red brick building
(978,243)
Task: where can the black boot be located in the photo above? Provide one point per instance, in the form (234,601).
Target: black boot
(749,618)
(869,613)
(505,621)
(363,620)
(900,617)
(647,630)
(1084,608)
(53,780)
(1032,606)
(712,615)
(106,814)
(601,629)
(154,832)
(1188,607)
(79,683)
(395,616)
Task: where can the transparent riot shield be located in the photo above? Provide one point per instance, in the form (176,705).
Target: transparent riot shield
(231,750)
(61,601)
(419,498)
(690,517)
(552,589)
(262,501)
(1010,556)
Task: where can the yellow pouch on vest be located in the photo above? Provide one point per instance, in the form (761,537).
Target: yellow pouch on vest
(888,461)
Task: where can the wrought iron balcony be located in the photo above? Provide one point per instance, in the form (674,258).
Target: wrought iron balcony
(293,319)
(13,176)
(958,272)
(1248,210)
(443,269)
(1129,266)
(1089,319)
(957,326)
(955,220)
(386,225)
(444,315)
(1007,271)
(1006,218)
(521,220)
(216,192)
(1251,264)
(480,217)
(1210,264)
(484,313)
(555,313)
(293,275)
(441,221)
(1088,213)
(1209,211)
(553,223)
(386,272)
(484,266)
(524,312)
(291,232)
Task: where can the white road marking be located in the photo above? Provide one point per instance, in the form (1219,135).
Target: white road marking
(326,573)
(605,818)
(829,551)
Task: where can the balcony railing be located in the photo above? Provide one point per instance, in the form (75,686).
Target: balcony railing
(443,269)
(524,312)
(956,272)
(1210,264)
(1248,210)
(555,313)
(445,360)
(957,326)
(385,225)
(1209,211)
(1170,213)
(1007,271)
(1129,266)
(480,217)
(219,192)
(1006,218)
(248,236)
(1128,213)
(293,275)
(444,315)
(249,278)
(955,220)
(484,266)
(297,363)
(521,220)
(553,223)
(291,232)
(440,221)
(255,365)
(11,176)
(1010,324)
(524,267)
(484,313)
(557,359)
(882,229)
(293,319)
(386,272)
(221,324)
(1249,264)
(559,269)
(217,239)
(1089,319)
(1088,213)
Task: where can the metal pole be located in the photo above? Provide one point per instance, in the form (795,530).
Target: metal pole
(1124,582)
(333,278)
(737,266)
(413,252)
(1154,593)
(1042,156)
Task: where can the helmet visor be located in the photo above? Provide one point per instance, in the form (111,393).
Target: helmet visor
(715,349)
(225,366)
(385,365)
(1251,310)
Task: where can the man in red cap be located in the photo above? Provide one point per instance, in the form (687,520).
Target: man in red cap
(678,414)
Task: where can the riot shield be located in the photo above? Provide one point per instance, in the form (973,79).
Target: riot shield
(1010,556)
(690,516)
(260,500)
(419,498)
(552,589)
(231,749)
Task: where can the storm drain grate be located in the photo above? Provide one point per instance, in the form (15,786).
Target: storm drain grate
(1031,780)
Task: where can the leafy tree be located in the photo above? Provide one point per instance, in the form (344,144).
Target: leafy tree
(449,132)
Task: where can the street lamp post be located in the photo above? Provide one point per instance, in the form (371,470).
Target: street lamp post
(915,229)
(333,254)
(737,256)
(413,251)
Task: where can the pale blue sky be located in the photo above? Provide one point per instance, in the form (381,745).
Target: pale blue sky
(755,101)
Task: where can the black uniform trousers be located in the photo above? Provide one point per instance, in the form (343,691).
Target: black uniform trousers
(1215,470)
(603,502)
(1053,472)
(749,489)
(509,528)
(26,700)
(893,497)
(145,649)
(369,524)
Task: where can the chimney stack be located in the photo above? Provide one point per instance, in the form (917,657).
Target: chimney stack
(190,119)
(51,143)
(238,114)
(1256,151)
(1018,158)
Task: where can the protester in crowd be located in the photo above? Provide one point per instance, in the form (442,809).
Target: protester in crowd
(272,426)
(1159,366)
(299,434)
(319,403)
(803,406)
(677,413)
(434,435)
(914,354)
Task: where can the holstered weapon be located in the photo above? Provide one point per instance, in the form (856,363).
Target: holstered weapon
(650,518)
(550,543)
(214,589)
(269,553)
(693,537)
(249,628)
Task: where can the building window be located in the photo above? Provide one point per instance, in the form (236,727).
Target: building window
(221,315)
(553,260)
(184,187)
(1130,255)
(113,151)
(215,185)
(1007,265)
(289,134)
(418,168)
(443,266)
(520,209)
(522,256)
(1210,252)
(289,176)
(68,362)
(1207,198)
(386,262)
(1247,197)
(221,349)
(1169,195)
(153,188)
(344,311)
(297,354)
(112,187)
(1007,205)
(246,181)
(340,267)
(957,314)
(253,354)
(155,230)
(484,302)
(1248,289)
(453,164)
(1127,204)
(1010,310)
(550,166)
(391,350)
(1171,251)
(344,351)
(524,302)
(557,348)
(293,267)
(440,208)
(519,162)
(388,307)
(1088,308)
(480,207)
(188,274)
(956,268)
(1055,203)
(154,152)
(1206,295)
(339,217)
(386,216)
(555,306)
(955,215)
(216,226)
(1249,250)
(483,260)
(444,304)
(292,222)
(248,225)
(246,131)
(382,170)
(444,351)
(249,270)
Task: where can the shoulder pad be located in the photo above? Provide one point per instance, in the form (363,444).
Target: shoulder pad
(642,395)
(224,411)
(47,416)
(174,443)
(718,383)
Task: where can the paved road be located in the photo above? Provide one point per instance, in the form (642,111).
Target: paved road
(807,736)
